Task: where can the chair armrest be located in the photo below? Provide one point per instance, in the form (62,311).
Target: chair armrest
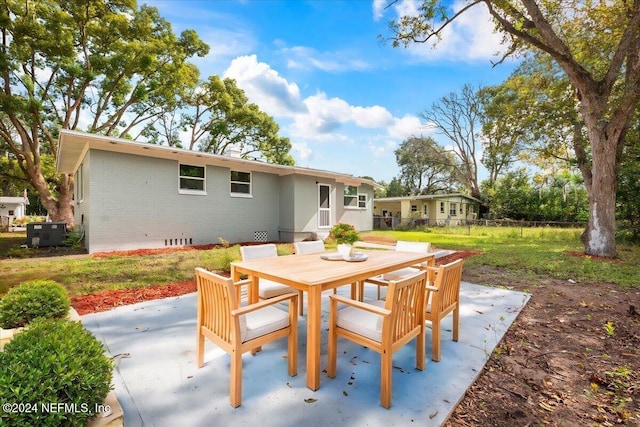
(431,288)
(361,305)
(242,282)
(377,280)
(262,304)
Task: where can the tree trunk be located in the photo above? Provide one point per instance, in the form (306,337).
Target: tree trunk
(60,210)
(599,237)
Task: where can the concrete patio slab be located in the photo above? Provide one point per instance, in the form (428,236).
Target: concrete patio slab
(157,383)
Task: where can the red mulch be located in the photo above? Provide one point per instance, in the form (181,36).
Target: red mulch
(106,300)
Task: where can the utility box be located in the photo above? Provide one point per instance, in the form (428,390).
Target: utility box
(41,234)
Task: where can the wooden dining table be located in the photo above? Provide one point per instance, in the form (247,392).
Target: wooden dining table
(313,275)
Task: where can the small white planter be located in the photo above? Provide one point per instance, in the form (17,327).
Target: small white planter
(6,335)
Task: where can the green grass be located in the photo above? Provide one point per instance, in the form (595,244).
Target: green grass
(534,254)
(538,253)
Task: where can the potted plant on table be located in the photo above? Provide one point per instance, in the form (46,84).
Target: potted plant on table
(344,235)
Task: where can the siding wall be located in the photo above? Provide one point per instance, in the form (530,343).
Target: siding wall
(153,214)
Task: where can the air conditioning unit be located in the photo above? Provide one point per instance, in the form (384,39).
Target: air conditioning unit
(42,234)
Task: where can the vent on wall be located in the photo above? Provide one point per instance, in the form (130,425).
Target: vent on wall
(178,242)
(260,236)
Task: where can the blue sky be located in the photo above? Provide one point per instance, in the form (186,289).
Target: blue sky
(345,100)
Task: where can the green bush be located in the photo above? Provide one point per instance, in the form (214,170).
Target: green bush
(33,299)
(57,371)
(344,233)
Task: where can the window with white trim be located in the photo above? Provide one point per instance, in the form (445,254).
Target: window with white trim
(441,207)
(453,209)
(362,201)
(353,199)
(79,184)
(240,184)
(192,179)
(350,196)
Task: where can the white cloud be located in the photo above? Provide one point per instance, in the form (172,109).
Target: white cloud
(265,87)
(306,58)
(378,9)
(383,150)
(372,117)
(302,151)
(406,126)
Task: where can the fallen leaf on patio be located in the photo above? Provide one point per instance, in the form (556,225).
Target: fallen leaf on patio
(288,384)
(433,414)
(344,392)
(310,400)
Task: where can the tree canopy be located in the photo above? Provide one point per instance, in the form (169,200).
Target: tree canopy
(107,67)
(597,46)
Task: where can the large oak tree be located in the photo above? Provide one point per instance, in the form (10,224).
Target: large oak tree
(597,45)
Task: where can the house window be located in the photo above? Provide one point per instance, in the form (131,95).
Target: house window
(191,179)
(362,201)
(240,184)
(441,207)
(452,209)
(350,196)
(79,184)
(414,208)
(425,209)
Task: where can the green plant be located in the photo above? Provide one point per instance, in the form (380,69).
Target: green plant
(342,233)
(609,328)
(57,371)
(33,299)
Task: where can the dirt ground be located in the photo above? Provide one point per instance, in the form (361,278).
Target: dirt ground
(571,358)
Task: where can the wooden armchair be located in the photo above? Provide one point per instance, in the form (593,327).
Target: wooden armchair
(237,329)
(266,288)
(384,326)
(442,298)
(403,246)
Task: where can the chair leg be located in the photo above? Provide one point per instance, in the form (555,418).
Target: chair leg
(235,381)
(420,350)
(292,341)
(435,340)
(379,292)
(385,379)
(199,349)
(333,341)
(456,323)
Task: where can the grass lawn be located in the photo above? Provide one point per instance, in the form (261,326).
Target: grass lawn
(534,253)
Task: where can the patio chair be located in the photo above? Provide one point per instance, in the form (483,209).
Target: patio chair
(403,246)
(266,288)
(309,247)
(237,330)
(442,298)
(383,326)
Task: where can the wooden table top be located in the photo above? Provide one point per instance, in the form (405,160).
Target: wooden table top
(311,270)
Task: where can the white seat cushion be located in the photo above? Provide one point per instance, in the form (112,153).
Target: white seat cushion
(362,322)
(261,322)
(399,274)
(268,289)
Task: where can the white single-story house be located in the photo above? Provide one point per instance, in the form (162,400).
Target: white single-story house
(132,195)
(12,208)
(432,209)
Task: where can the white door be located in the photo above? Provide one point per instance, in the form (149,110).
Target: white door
(324,206)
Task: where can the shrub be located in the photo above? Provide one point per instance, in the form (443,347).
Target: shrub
(33,299)
(344,233)
(53,362)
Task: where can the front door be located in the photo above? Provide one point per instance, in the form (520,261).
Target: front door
(324,206)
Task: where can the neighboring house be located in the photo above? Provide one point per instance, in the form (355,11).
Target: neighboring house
(131,195)
(12,208)
(433,209)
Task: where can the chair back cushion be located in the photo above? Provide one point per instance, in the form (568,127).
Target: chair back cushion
(258,251)
(405,246)
(309,247)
